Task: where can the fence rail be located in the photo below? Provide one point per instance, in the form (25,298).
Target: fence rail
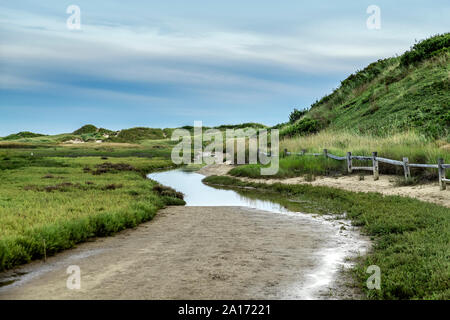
(441,166)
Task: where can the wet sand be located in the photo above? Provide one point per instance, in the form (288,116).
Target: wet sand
(204,253)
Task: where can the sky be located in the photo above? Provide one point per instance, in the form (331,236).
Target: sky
(169,63)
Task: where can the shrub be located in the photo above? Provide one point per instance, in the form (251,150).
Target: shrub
(168,192)
(303,127)
(296,115)
(425,49)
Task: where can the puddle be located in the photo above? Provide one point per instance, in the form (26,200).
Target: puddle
(200,195)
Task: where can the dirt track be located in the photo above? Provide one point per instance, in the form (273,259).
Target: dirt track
(202,253)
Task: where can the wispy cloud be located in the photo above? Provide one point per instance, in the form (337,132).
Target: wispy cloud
(219,56)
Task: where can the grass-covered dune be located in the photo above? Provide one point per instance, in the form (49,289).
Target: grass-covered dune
(21,135)
(52,203)
(410,236)
(392,95)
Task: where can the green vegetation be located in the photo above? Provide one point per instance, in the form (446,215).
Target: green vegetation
(88,128)
(389,96)
(21,135)
(50,204)
(411,236)
(417,147)
(241,126)
(426,49)
(303,126)
(296,115)
(293,167)
(137,134)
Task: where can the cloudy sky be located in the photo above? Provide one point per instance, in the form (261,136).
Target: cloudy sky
(168,63)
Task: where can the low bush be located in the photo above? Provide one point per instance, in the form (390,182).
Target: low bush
(425,49)
(304,126)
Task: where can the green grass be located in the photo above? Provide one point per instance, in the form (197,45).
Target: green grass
(410,236)
(146,148)
(62,201)
(138,134)
(293,166)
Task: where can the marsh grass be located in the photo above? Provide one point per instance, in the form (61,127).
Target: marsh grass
(293,166)
(411,144)
(410,236)
(55,200)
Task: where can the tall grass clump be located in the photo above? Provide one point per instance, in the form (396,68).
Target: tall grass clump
(417,147)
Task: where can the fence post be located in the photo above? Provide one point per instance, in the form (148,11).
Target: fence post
(349,162)
(406,168)
(376,174)
(441,170)
(325,153)
(285,152)
(303,152)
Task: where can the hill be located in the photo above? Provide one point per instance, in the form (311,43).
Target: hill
(391,95)
(21,135)
(137,134)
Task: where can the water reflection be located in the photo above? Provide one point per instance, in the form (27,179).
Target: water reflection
(199,194)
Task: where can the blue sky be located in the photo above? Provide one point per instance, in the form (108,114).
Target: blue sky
(168,63)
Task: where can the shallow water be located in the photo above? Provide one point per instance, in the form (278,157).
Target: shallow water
(200,195)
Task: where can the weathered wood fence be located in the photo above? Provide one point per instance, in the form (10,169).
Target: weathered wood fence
(441,166)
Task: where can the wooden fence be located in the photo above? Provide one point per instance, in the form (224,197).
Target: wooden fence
(441,166)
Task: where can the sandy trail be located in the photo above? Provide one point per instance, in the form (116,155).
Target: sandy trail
(202,253)
(385,185)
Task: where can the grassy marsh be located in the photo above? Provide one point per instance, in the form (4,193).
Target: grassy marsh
(53,203)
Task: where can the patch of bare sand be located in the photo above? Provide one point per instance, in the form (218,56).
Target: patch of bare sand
(215,169)
(385,185)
